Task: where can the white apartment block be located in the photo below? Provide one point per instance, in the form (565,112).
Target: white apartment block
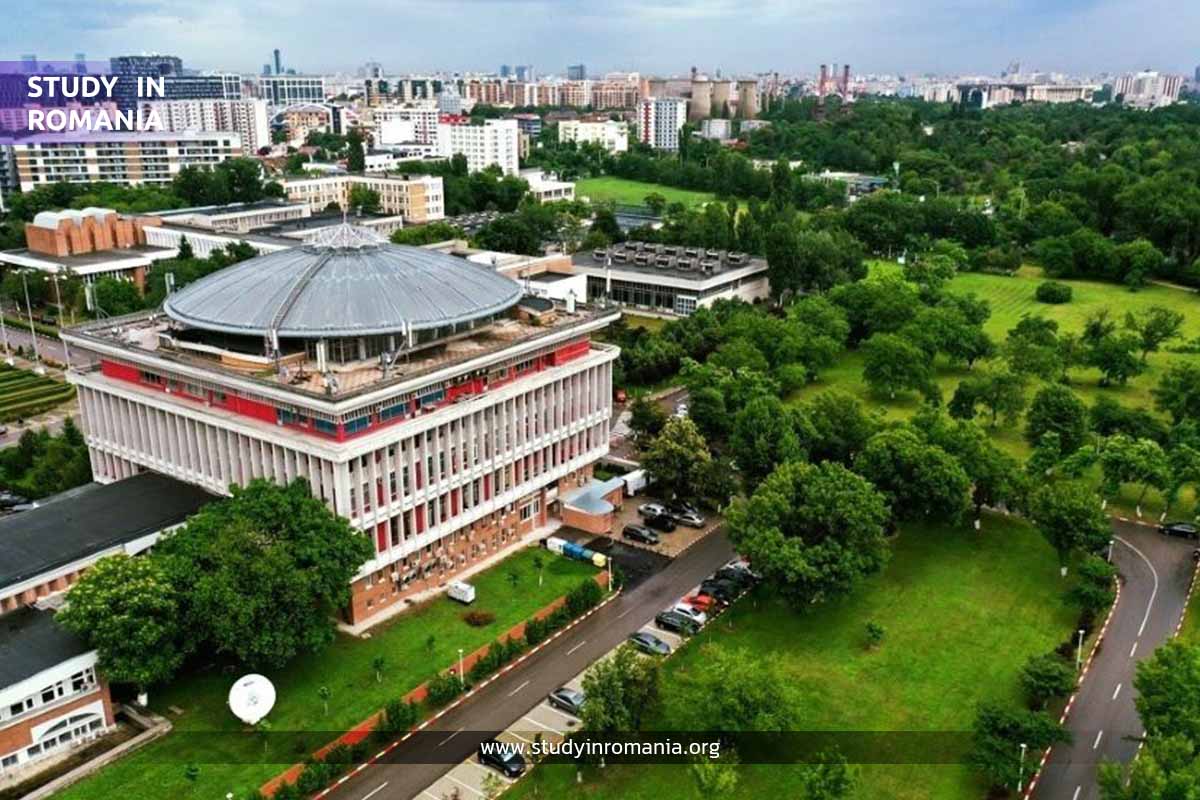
(660,120)
(1149,89)
(132,158)
(496,141)
(612,135)
(248,118)
(416,198)
(413,122)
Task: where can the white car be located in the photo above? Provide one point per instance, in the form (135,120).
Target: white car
(652,510)
(681,410)
(691,612)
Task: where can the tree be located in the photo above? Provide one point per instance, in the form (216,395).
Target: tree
(706,407)
(875,634)
(893,364)
(127,609)
(1178,392)
(621,691)
(363,200)
(813,530)
(646,419)
(676,458)
(1056,409)
(324,693)
(1116,357)
(656,203)
(1094,591)
(261,574)
(1068,515)
(356,155)
(116,297)
(1047,677)
(841,426)
(1154,326)
(917,478)
(1167,768)
(715,778)
(784,269)
(1168,686)
(762,439)
(999,733)
(377,665)
(1000,390)
(1137,461)
(539,564)
(738,691)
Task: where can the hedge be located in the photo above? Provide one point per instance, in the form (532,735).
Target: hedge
(1053,292)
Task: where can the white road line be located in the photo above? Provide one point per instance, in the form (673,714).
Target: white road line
(623,613)
(1116,691)
(1133,649)
(519,736)
(375,791)
(1096,743)
(469,788)
(1153,592)
(1075,796)
(540,725)
(427,794)
(519,688)
(451,736)
(488,770)
(576,647)
(562,714)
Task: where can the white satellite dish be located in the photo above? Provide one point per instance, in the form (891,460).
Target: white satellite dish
(251,698)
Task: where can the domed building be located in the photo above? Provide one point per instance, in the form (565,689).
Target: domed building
(421,395)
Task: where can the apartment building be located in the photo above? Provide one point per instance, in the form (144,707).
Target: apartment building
(247,118)
(496,142)
(660,120)
(404,124)
(284,90)
(416,198)
(612,135)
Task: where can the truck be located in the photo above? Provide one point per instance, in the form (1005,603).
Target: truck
(461,591)
(635,481)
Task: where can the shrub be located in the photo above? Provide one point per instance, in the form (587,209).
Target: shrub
(583,597)
(479,618)
(442,689)
(1053,292)
(287,791)
(875,634)
(313,778)
(497,655)
(399,716)
(1047,677)
(536,631)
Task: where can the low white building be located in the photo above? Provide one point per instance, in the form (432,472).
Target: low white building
(612,135)
(546,188)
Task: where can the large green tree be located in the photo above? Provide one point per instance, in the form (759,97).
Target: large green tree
(1056,409)
(919,479)
(999,733)
(1068,514)
(1168,686)
(675,460)
(763,437)
(621,691)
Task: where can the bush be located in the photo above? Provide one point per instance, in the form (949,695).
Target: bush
(442,689)
(875,634)
(1046,678)
(1053,292)
(286,791)
(479,618)
(315,776)
(585,596)
(398,716)
(536,631)
(497,655)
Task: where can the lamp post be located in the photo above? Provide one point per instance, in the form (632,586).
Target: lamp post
(1110,548)
(1079,651)
(1021,770)
(37,357)
(8,359)
(462,678)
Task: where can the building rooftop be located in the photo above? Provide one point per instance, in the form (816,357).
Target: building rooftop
(90,519)
(687,263)
(82,261)
(347,284)
(32,642)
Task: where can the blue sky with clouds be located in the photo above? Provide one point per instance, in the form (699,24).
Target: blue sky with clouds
(941,36)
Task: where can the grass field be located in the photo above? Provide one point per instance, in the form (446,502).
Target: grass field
(633,193)
(23,394)
(1010,299)
(157,771)
(962,612)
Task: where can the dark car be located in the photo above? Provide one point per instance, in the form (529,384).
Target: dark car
(661,523)
(723,591)
(649,643)
(502,756)
(568,700)
(676,623)
(734,576)
(8,500)
(1185,530)
(638,533)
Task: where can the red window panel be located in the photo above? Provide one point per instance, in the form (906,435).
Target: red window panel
(112,369)
(419,512)
(381,537)
(487,487)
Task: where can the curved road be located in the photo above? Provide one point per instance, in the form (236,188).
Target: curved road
(1157,571)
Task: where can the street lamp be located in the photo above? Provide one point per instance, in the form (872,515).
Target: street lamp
(1079,651)
(462,679)
(1021,771)
(8,359)
(37,357)
(1110,547)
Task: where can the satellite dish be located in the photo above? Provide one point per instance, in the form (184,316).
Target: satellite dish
(251,698)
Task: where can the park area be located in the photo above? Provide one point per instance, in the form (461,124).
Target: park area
(633,193)
(961,610)
(24,394)
(413,647)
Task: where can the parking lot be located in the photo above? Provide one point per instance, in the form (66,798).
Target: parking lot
(669,544)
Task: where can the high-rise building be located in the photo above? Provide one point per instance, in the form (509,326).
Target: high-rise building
(1196,77)
(369,410)
(129,68)
(286,90)
(660,120)
(505,71)
(1148,89)
(132,158)
(496,141)
(577,72)
(523,72)
(278,62)
(402,124)
(247,118)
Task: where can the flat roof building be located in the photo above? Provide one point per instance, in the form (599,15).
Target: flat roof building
(495,142)
(612,135)
(416,198)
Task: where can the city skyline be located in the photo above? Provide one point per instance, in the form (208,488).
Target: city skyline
(942,37)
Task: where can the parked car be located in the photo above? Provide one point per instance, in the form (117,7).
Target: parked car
(502,756)
(649,643)
(691,612)
(652,510)
(676,623)
(682,507)
(1185,530)
(568,700)
(702,602)
(661,523)
(8,500)
(723,591)
(681,411)
(743,565)
(685,514)
(735,576)
(639,533)
(26,506)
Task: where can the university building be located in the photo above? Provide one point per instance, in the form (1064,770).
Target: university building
(415,391)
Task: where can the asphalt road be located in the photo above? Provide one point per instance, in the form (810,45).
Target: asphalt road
(505,700)
(1104,722)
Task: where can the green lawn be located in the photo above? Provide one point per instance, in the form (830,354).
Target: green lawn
(633,193)
(651,324)
(962,612)
(345,667)
(1011,298)
(24,394)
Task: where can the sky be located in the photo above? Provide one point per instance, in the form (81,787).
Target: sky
(649,36)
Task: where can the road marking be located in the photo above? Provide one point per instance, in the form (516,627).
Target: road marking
(519,736)
(1075,796)
(488,770)
(540,725)
(451,736)
(519,688)
(576,647)
(469,788)
(1116,691)
(623,613)
(434,796)
(1096,743)
(1133,649)
(375,791)
(1153,592)
(568,717)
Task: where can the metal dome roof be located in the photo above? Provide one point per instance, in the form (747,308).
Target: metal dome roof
(346,283)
